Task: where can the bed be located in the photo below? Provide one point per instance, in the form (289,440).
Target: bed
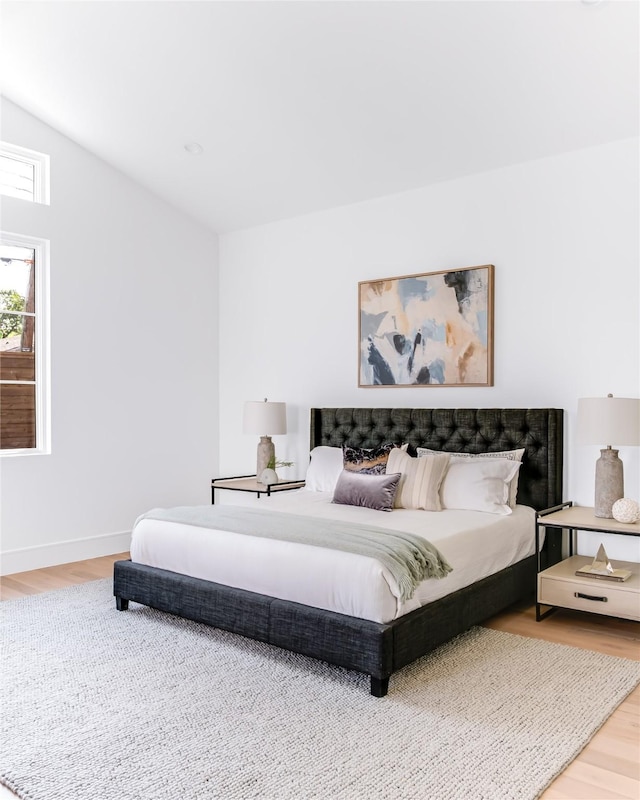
(375,648)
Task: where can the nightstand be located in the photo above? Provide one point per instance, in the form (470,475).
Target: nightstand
(559,586)
(249,483)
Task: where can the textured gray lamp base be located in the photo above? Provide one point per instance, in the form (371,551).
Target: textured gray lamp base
(267,451)
(609,482)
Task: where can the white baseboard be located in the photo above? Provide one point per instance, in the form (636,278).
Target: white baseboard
(50,555)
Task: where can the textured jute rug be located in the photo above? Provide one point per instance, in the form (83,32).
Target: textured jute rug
(105,705)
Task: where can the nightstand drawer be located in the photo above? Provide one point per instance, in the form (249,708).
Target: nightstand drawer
(594,597)
(560,586)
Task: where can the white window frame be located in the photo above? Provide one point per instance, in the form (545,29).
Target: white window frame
(40,164)
(42,343)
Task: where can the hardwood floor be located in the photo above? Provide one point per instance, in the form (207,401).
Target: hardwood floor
(609,766)
(23,584)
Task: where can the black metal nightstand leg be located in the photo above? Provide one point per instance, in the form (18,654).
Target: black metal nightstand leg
(541,615)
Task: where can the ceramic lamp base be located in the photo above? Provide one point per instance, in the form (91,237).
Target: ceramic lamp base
(609,482)
(267,451)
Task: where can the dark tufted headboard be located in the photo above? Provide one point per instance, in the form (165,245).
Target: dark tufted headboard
(459,430)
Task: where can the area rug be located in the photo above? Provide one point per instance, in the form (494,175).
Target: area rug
(99,705)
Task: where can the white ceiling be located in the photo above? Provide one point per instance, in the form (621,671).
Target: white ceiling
(302,106)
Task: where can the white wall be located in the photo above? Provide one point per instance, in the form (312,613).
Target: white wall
(135,319)
(134,388)
(563,234)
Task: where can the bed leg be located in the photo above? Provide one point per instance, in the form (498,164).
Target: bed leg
(379,686)
(121,603)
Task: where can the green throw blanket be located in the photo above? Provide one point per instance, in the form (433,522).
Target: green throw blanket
(409,558)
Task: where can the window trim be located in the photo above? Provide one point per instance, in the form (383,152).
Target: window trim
(40,163)
(42,344)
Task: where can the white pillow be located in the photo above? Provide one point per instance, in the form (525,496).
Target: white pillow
(479,484)
(420,479)
(512,455)
(325,468)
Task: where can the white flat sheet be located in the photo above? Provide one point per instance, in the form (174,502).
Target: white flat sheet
(475,543)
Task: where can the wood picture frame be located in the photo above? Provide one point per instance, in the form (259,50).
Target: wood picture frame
(428,329)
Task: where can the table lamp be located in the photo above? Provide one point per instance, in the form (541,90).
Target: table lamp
(266,420)
(612,421)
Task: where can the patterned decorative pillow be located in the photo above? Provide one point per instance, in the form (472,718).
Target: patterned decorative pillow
(421,479)
(367,460)
(366,490)
(511,455)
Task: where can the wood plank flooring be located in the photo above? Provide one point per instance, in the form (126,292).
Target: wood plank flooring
(609,766)
(23,584)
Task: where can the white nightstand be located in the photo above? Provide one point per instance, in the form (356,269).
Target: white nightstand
(249,483)
(559,586)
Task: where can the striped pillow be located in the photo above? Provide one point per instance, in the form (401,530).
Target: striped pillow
(420,480)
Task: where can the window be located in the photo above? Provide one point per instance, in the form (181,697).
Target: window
(24,173)
(24,385)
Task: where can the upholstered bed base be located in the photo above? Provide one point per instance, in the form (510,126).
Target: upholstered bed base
(377,649)
(373,648)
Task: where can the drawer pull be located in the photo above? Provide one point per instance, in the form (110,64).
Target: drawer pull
(590,597)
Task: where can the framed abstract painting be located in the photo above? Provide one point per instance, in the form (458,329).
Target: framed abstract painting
(434,329)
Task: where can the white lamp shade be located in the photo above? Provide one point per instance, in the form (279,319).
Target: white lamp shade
(264,418)
(610,421)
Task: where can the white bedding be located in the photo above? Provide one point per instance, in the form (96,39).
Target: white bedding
(475,543)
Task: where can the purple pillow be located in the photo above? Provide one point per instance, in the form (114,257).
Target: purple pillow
(370,491)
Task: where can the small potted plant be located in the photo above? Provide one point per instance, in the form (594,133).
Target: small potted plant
(269,475)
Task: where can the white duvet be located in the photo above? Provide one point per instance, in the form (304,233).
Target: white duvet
(475,543)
